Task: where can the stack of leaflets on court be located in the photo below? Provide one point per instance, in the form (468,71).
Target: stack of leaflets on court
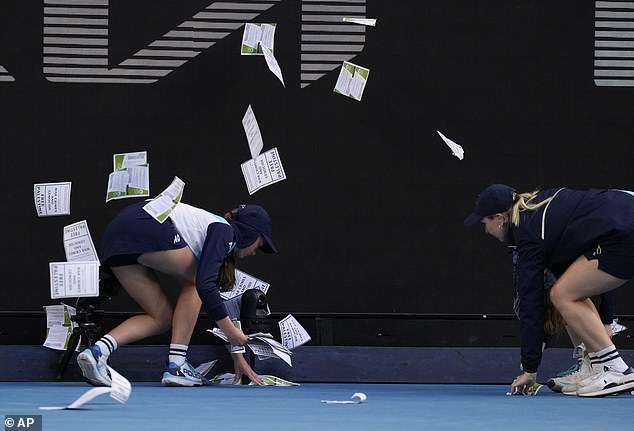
(227,379)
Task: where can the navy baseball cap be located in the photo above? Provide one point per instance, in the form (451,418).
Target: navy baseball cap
(497,198)
(251,221)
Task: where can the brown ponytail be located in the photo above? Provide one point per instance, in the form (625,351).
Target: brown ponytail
(227,271)
(554,323)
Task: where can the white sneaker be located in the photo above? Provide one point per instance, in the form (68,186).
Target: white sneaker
(569,383)
(607,382)
(94,367)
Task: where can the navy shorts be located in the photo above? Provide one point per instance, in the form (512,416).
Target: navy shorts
(615,255)
(133,232)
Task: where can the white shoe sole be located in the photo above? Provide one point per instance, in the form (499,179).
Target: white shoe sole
(614,390)
(89,369)
(177,381)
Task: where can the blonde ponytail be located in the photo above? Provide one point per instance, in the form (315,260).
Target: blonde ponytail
(523,203)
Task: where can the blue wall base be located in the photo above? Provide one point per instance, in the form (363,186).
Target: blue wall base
(310,364)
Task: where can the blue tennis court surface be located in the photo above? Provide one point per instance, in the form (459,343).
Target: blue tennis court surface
(388,406)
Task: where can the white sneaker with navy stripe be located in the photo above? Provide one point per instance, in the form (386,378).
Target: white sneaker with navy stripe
(607,382)
(184,375)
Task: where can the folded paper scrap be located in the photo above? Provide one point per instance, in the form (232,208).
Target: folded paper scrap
(204,368)
(531,390)
(120,391)
(227,379)
(357,398)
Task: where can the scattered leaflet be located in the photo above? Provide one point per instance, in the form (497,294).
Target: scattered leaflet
(204,368)
(262,345)
(275,381)
(264,170)
(74,279)
(131,176)
(252,130)
(121,387)
(119,391)
(162,206)
(616,327)
(78,244)
(59,326)
(293,334)
(272,63)
(218,333)
(129,160)
(52,199)
(233,298)
(352,80)
(227,379)
(455,148)
(363,21)
(256,33)
(243,283)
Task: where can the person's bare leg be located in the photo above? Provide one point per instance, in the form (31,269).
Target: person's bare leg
(571,294)
(574,337)
(181,265)
(576,340)
(143,287)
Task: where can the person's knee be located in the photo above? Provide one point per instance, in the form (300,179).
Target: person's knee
(163,320)
(556,295)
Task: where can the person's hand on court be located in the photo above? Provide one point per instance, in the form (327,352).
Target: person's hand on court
(242,368)
(523,382)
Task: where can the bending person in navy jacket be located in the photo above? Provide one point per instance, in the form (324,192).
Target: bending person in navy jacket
(197,249)
(586,238)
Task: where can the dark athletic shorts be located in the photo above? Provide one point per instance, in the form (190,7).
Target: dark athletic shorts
(133,232)
(615,255)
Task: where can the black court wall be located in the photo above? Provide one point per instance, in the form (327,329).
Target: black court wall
(369,220)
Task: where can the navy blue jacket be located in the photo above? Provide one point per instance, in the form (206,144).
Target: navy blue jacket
(552,237)
(218,243)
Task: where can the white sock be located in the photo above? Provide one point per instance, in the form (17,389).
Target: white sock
(107,344)
(178,353)
(607,358)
